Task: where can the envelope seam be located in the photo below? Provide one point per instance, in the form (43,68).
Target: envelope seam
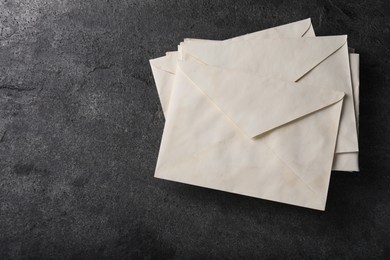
(308,28)
(158,67)
(312,68)
(292,171)
(211,101)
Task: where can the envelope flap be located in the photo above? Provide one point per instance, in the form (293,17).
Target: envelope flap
(286,58)
(256,104)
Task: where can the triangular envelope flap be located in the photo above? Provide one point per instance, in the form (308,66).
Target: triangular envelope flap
(256,104)
(286,58)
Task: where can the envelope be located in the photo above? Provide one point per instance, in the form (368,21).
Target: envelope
(238,132)
(164,68)
(345,160)
(198,149)
(292,59)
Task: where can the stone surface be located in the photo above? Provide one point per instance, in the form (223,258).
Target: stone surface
(80,127)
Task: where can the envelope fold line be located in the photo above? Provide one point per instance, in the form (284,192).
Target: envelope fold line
(330,54)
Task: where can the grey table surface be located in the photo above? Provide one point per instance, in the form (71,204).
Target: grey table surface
(81,123)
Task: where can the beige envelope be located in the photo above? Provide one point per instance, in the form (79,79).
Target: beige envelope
(164,68)
(164,73)
(292,59)
(208,137)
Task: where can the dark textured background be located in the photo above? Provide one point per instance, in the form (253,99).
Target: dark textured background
(80,127)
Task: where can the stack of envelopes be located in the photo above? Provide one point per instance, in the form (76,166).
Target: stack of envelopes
(268,114)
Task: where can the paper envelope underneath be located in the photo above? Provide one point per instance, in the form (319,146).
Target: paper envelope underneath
(315,61)
(164,68)
(289,161)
